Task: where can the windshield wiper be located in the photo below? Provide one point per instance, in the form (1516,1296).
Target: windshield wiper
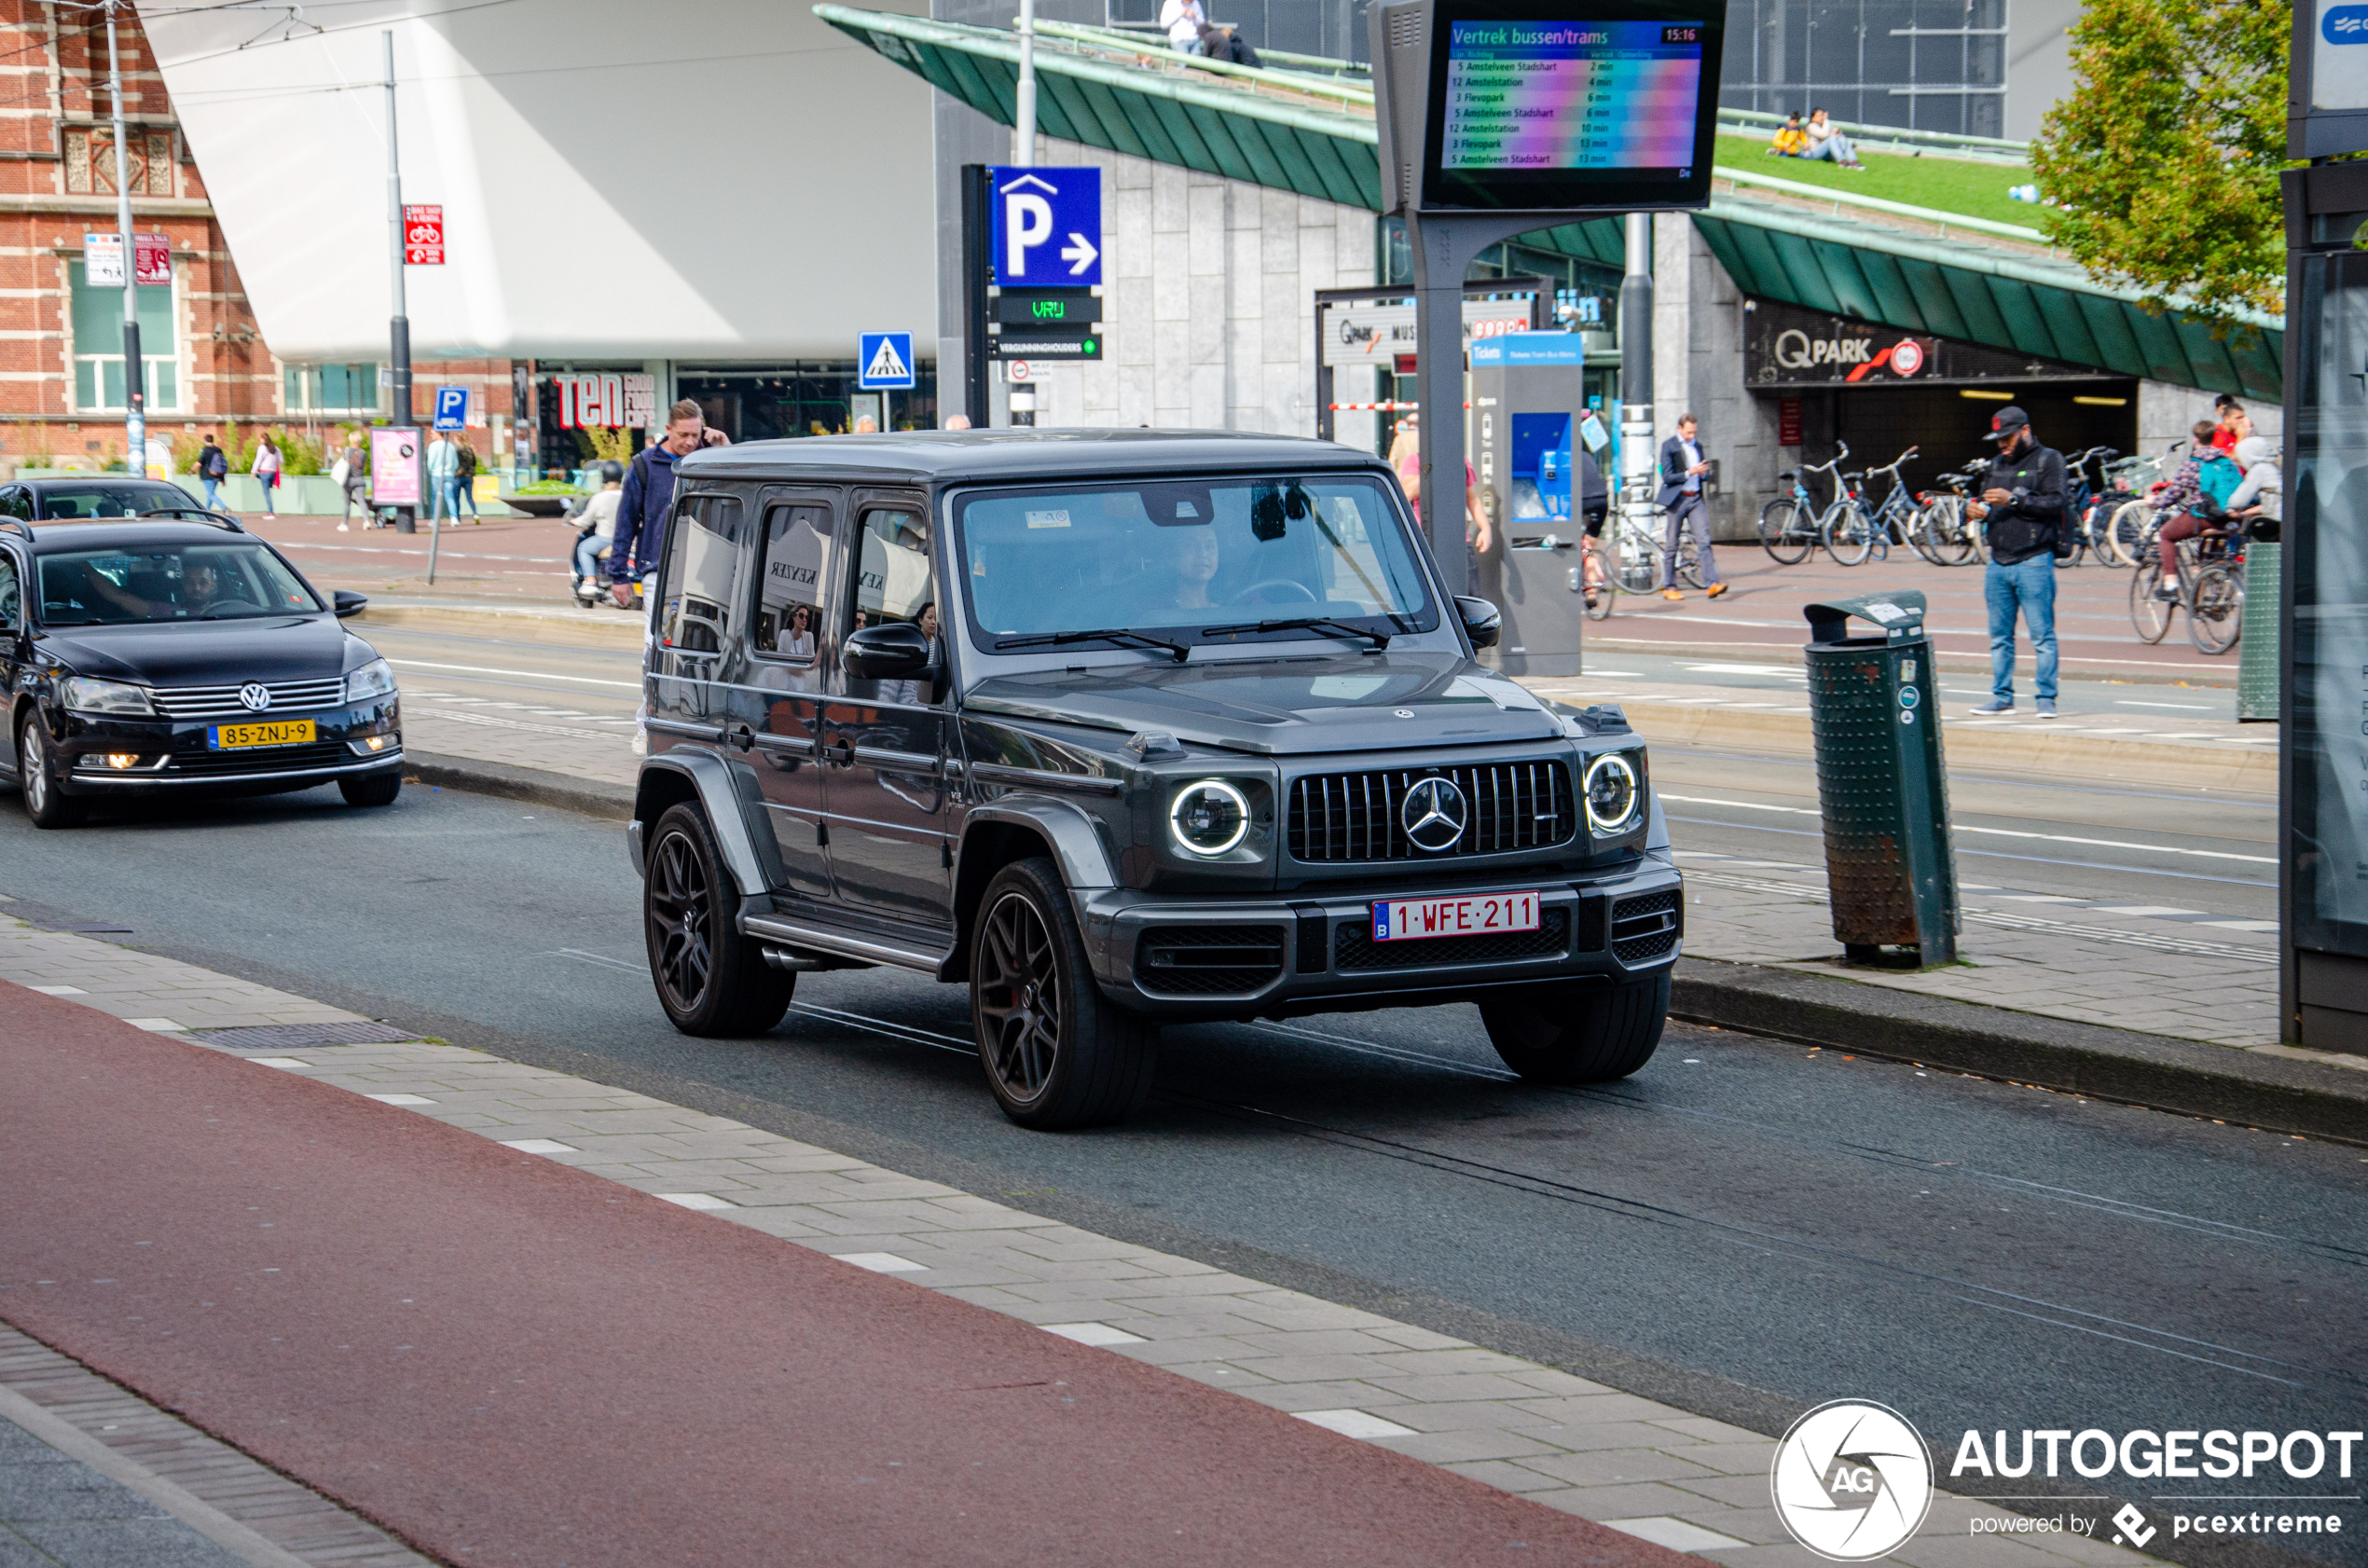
(1115,634)
(1301,623)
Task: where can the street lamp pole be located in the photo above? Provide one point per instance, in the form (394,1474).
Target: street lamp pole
(134,382)
(1024,119)
(400,328)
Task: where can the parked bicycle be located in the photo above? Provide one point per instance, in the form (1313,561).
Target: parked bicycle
(2081,500)
(2130,536)
(1788,524)
(1851,532)
(1940,530)
(1637,534)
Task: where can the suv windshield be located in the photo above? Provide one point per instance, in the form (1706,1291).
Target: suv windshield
(108,501)
(1174,561)
(168,583)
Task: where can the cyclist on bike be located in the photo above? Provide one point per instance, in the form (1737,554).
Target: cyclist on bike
(1594,503)
(2195,501)
(2023,499)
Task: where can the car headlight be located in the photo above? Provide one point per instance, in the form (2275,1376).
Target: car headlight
(86,695)
(1611,793)
(373,679)
(1208,818)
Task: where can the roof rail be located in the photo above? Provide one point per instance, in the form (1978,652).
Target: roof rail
(18,524)
(219,519)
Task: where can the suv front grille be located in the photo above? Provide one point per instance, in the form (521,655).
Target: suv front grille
(1208,960)
(222,702)
(1354,947)
(1646,928)
(1349,817)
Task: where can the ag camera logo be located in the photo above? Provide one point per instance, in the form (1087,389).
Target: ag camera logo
(1851,1480)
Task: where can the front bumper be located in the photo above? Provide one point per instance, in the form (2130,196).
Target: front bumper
(1243,957)
(174,755)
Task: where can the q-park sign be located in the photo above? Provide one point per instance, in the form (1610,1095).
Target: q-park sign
(1047,226)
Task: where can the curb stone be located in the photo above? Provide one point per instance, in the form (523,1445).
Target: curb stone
(2216,1082)
(587,797)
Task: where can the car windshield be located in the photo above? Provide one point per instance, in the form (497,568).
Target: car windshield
(1178,560)
(168,583)
(109,500)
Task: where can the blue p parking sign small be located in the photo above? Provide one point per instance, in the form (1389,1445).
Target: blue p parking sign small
(451,407)
(884,361)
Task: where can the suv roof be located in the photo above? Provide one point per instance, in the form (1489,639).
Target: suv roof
(87,533)
(1024,454)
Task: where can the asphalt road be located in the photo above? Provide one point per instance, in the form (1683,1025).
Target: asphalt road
(1746,1227)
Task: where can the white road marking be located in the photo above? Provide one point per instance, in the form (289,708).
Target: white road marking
(539,1145)
(491,722)
(880,1262)
(695,1200)
(161,1026)
(288,1064)
(1355,1423)
(58,990)
(1092,1333)
(2188,706)
(1999,832)
(1665,1530)
(399,1099)
(528,674)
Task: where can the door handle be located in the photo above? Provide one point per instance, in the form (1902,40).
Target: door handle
(831,754)
(742,737)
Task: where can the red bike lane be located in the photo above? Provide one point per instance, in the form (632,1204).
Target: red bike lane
(506,1361)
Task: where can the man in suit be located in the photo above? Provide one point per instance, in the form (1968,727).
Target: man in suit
(1683,466)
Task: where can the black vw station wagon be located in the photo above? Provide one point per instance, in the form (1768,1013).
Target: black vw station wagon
(1120,727)
(157,651)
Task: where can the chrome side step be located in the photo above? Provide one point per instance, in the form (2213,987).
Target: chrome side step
(812,946)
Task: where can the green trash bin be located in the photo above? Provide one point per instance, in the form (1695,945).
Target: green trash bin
(1872,707)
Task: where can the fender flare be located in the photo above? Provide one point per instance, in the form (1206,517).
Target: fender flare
(1656,827)
(1068,828)
(735,808)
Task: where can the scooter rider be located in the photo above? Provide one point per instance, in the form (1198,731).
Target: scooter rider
(597,522)
(648,492)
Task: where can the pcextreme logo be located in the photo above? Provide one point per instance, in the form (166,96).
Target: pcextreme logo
(1851,1480)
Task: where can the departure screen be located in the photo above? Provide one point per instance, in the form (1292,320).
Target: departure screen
(1551,96)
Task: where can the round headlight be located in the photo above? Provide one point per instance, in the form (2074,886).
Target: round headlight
(1611,793)
(1209,817)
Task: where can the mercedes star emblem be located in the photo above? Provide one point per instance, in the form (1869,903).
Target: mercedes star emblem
(1434,813)
(254,696)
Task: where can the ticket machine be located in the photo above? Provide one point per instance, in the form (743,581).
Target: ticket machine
(1529,425)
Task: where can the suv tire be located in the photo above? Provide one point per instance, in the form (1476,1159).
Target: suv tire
(711,980)
(371,788)
(1056,1053)
(1579,1033)
(48,805)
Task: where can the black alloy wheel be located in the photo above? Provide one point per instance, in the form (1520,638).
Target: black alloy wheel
(711,980)
(372,788)
(1580,1032)
(48,805)
(1056,1053)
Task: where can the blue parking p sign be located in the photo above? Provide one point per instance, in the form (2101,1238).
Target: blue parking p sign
(451,407)
(884,361)
(1047,226)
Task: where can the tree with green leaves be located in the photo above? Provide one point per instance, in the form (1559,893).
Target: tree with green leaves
(2163,160)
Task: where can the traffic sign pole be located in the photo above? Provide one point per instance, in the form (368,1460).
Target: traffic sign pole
(978,185)
(399,328)
(135,401)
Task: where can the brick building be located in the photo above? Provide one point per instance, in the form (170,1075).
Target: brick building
(62,382)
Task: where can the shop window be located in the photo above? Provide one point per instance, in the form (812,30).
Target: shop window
(89,160)
(98,345)
(331,389)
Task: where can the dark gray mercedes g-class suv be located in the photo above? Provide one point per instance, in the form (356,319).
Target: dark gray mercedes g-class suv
(1120,727)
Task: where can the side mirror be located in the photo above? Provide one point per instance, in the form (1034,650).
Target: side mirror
(1482,621)
(348,602)
(898,650)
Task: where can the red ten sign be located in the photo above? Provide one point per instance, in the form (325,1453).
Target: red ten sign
(423,236)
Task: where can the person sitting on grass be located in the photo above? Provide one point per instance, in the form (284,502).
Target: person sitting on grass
(1825,141)
(1791,141)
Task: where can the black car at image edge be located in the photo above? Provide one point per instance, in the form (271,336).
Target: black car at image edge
(1120,729)
(151,649)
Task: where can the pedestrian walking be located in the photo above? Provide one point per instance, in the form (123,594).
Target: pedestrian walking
(266,470)
(2023,499)
(1683,466)
(2231,423)
(213,466)
(352,471)
(599,521)
(649,489)
(443,470)
(1406,457)
(466,486)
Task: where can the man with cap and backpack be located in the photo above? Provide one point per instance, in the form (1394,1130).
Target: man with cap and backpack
(2023,500)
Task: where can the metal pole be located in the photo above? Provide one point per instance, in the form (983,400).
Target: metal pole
(1023,121)
(134,384)
(976,405)
(400,328)
(1636,371)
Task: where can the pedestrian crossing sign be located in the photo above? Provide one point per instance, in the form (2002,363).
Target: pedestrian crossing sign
(883,360)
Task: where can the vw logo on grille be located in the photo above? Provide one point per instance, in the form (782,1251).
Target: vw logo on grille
(1434,813)
(254,696)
